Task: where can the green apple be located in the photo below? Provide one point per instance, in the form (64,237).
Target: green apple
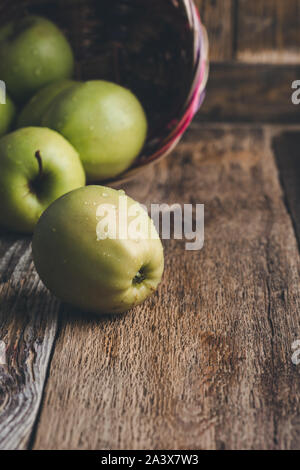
(33,53)
(7,115)
(97,249)
(34,110)
(37,166)
(104,122)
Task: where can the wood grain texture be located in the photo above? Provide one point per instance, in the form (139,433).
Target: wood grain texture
(206,362)
(250,93)
(218,18)
(28,323)
(268,31)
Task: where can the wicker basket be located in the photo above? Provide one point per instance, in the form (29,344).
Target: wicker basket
(157,48)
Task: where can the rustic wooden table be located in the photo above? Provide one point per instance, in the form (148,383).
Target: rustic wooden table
(206,362)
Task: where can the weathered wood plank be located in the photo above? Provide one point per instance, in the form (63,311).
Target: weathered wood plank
(28,323)
(250,93)
(268,31)
(217,16)
(206,363)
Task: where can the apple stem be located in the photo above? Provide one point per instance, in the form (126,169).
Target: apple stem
(40,162)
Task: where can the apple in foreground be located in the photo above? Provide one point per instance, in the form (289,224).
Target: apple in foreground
(37,166)
(33,53)
(91,262)
(32,113)
(104,122)
(7,114)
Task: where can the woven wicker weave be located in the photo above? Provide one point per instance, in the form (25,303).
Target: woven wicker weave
(157,48)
